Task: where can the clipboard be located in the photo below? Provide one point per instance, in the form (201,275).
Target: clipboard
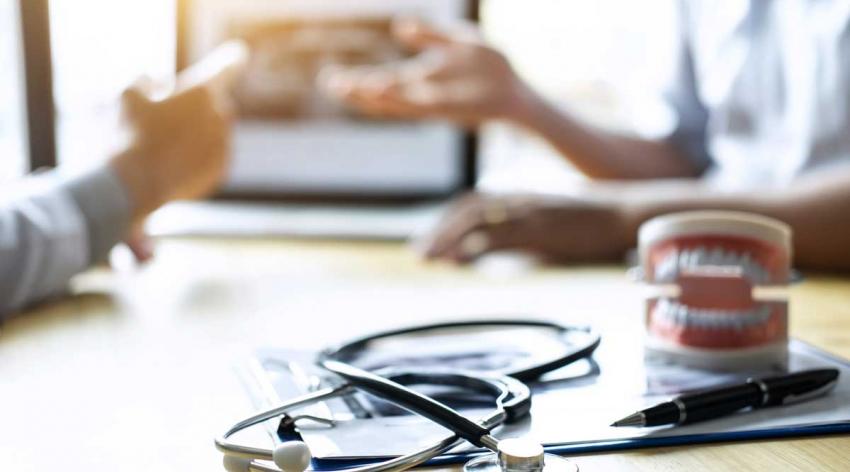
(577,398)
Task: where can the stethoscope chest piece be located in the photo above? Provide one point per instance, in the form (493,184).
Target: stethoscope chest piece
(519,455)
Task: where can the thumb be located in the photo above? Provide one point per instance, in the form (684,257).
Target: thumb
(137,97)
(418,35)
(140,244)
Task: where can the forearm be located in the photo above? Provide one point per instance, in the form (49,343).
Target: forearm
(56,230)
(597,153)
(817,209)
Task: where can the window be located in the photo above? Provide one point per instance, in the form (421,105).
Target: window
(13,149)
(99,48)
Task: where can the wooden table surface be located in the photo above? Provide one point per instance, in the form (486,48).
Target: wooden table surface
(134,372)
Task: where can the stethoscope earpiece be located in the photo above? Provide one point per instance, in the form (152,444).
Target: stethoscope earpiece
(292,456)
(236,463)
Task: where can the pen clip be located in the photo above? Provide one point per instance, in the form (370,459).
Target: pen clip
(822,390)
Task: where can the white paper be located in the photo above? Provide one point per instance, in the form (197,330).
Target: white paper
(578,410)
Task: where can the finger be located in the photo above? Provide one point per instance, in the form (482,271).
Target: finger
(479,225)
(378,94)
(345,83)
(219,68)
(145,84)
(216,72)
(136,98)
(459,219)
(389,102)
(140,245)
(336,79)
(488,238)
(418,35)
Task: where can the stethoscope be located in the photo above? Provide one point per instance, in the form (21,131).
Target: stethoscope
(512,400)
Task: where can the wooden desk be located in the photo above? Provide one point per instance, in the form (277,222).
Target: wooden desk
(133,373)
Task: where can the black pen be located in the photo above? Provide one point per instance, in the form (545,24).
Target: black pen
(722,401)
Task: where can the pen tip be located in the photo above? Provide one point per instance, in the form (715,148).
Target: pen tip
(635,419)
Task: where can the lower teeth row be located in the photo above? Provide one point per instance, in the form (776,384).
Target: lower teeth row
(685,316)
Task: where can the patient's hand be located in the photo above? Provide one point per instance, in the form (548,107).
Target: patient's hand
(179,134)
(456,77)
(555,228)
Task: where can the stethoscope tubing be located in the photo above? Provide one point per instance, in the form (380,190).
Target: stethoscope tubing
(340,352)
(334,360)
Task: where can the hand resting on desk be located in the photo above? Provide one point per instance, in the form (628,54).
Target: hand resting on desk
(601,223)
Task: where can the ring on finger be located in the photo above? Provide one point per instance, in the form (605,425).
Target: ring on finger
(474,243)
(494,213)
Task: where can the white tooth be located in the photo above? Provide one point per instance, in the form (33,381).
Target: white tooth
(739,319)
(757,275)
(711,321)
(704,319)
(682,315)
(670,263)
(666,270)
(662,309)
(700,255)
(763,275)
(672,315)
(685,316)
(662,268)
(748,268)
(731,259)
(716,256)
(732,322)
(698,318)
(718,319)
(684,260)
(696,257)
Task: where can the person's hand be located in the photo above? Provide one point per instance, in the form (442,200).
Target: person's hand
(554,228)
(456,77)
(179,134)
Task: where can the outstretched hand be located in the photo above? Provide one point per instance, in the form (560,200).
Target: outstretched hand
(456,76)
(178,137)
(178,134)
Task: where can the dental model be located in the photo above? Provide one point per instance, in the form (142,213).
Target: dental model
(715,277)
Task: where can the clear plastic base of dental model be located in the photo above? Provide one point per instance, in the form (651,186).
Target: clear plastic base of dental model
(490,463)
(770,356)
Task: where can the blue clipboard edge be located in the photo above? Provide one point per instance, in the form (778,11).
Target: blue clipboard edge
(838,427)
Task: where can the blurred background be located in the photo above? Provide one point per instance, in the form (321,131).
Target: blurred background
(599,59)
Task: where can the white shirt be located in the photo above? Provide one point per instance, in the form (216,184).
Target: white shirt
(762,88)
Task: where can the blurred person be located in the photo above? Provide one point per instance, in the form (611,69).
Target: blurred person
(761,96)
(177,146)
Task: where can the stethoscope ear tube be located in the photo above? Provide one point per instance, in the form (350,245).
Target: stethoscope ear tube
(584,350)
(409,399)
(513,398)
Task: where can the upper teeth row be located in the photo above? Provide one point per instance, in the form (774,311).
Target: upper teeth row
(685,316)
(668,269)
